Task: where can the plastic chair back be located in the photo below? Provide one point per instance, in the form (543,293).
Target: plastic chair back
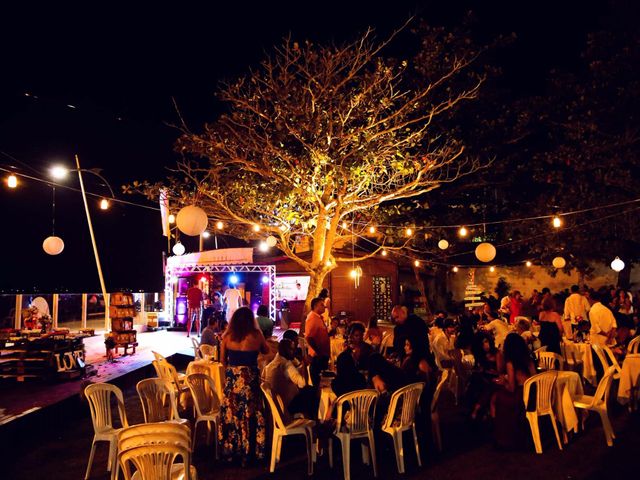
(196,344)
(204,394)
(544,383)
(208,352)
(158,400)
(550,361)
(387,343)
(275,405)
(155,430)
(158,357)
(195,367)
(537,352)
(633,345)
(604,386)
(613,361)
(406,398)
(362,406)
(155,462)
(436,395)
(168,372)
(99,397)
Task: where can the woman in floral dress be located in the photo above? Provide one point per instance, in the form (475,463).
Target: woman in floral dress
(242,426)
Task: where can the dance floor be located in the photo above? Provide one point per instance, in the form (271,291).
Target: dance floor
(21,398)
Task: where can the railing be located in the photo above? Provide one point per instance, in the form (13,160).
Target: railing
(74,310)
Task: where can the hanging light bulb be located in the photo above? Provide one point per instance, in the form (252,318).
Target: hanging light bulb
(12,181)
(59,172)
(344,225)
(263,246)
(327,263)
(416,263)
(171,218)
(256,228)
(205,234)
(353,273)
(557,222)
(104,204)
(443,244)
(617,265)
(455,269)
(372,229)
(492,269)
(384,253)
(529,263)
(408,232)
(178,249)
(219,225)
(463,231)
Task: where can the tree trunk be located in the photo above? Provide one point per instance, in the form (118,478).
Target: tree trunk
(624,277)
(316,281)
(423,291)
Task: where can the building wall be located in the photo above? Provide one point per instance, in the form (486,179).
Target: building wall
(526,279)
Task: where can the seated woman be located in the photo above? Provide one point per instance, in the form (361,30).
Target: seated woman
(360,349)
(348,378)
(507,407)
(481,384)
(418,361)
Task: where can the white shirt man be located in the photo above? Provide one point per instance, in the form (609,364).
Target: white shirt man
(284,378)
(233,300)
(499,329)
(603,323)
(444,343)
(576,306)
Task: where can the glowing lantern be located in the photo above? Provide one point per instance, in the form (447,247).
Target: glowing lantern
(272,241)
(104,204)
(443,244)
(559,262)
(463,231)
(53,245)
(492,269)
(192,220)
(455,269)
(171,218)
(529,263)
(178,249)
(12,181)
(617,264)
(485,252)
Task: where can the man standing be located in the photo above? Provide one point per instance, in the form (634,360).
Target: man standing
(407,326)
(603,323)
(194,304)
(317,337)
(444,344)
(576,308)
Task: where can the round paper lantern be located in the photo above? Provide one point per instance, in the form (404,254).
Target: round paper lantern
(178,249)
(53,245)
(192,220)
(485,252)
(559,262)
(443,244)
(617,264)
(271,241)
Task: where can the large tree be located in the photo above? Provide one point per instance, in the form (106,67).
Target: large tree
(317,136)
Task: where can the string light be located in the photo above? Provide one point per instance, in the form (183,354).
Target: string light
(263,246)
(372,229)
(205,234)
(59,172)
(384,253)
(327,263)
(12,181)
(455,269)
(171,218)
(528,264)
(256,228)
(557,222)
(219,225)
(416,263)
(283,227)
(344,225)
(104,204)
(353,273)
(492,269)
(408,232)
(463,231)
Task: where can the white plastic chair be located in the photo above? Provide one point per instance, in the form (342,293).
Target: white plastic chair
(572,362)
(208,352)
(538,351)
(386,343)
(168,372)
(550,361)
(633,345)
(607,359)
(435,417)
(544,383)
(357,423)
(158,462)
(405,399)
(598,403)
(299,426)
(99,397)
(153,393)
(196,344)
(207,405)
(158,357)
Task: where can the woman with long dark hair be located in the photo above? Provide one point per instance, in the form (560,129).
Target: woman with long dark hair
(481,383)
(242,428)
(550,327)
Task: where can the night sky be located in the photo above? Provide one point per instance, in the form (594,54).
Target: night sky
(120,66)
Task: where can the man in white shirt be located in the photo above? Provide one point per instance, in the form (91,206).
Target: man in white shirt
(603,323)
(444,344)
(289,383)
(499,329)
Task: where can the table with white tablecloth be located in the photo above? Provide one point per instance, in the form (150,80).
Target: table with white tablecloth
(582,352)
(568,387)
(215,371)
(327,397)
(629,378)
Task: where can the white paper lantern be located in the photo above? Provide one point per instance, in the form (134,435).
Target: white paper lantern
(178,249)
(443,244)
(271,241)
(617,264)
(53,245)
(485,252)
(192,220)
(559,262)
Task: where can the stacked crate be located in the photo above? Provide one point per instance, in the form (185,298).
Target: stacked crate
(121,312)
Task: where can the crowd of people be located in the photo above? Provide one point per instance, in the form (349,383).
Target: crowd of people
(499,338)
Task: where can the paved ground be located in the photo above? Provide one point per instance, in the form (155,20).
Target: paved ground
(55,443)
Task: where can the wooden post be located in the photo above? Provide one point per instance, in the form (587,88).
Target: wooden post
(83,318)
(55,310)
(18,315)
(107,323)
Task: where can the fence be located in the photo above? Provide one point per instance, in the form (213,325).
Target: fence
(74,310)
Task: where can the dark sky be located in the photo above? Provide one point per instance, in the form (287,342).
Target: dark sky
(120,66)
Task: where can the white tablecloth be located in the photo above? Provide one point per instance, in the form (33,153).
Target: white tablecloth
(215,371)
(327,397)
(629,377)
(568,386)
(582,352)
